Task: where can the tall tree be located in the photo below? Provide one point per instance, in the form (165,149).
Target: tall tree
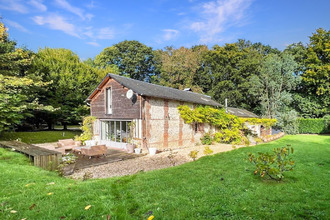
(178,67)
(274,84)
(133,59)
(71,81)
(15,84)
(317,73)
(226,72)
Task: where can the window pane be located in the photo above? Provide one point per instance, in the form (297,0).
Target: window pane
(108,101)
(112,131)
(117,131)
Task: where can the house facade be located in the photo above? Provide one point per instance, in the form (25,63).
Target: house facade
(128,110)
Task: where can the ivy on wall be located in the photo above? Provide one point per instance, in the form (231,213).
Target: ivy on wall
(230,128)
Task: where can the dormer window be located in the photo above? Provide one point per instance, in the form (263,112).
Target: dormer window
(108,94)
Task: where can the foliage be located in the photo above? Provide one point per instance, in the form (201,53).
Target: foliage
(273,164)
(71,83)
(287,122)
(266,122)
(133,59)
(228,125)
(193,154)
(313,125)
(274,84)
(317,71)
(68,158)
(207,150)
(206,139)
(226,72)
(178,67)
(87,129)
(205,114)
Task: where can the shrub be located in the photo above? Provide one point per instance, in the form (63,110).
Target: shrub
(207,139)
(87,129)
(207,150)
(193,154)
(273,164)
(313,126)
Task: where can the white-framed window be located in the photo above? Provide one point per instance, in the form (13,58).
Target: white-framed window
(108,98)
(117,131)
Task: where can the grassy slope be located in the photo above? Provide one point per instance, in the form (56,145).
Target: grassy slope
(39,136)
(219,186)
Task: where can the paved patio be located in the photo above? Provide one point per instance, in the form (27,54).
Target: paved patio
(113,155)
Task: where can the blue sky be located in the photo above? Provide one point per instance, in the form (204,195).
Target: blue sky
(88,26)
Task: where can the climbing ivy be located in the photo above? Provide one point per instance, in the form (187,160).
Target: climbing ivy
(229,126)
(266,122)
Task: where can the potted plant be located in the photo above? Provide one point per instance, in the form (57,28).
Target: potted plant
(67,165)
(138,149)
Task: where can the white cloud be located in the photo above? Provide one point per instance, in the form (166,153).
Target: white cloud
(93,44)
(38,5)
(56,22)
(170,34)
(16,25)
(75,10)
(13,5)
(105,33)
(217,16)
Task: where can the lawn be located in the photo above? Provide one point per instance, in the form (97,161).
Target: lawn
(39,136)
(221,186)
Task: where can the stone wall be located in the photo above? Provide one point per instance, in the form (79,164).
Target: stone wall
(165,128)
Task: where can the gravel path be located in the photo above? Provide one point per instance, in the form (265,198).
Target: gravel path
(148,162)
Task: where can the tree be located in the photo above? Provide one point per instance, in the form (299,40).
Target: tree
(226,72)
(15,84)
(274,86)
(133,59)
(317,73)
(178,67)
(71,81)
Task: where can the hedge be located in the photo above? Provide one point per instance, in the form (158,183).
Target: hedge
(313,126)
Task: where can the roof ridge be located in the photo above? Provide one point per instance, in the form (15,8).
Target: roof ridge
(157,85)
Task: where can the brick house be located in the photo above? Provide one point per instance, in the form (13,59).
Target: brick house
(129,109)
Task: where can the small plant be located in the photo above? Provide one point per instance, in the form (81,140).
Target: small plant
(69,158)
(193,154)
(87,176)
(67,164)
(207,139)
(208,150)
(258,140)
(171,157)
(273,164)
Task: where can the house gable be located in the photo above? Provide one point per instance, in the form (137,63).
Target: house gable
(122,107)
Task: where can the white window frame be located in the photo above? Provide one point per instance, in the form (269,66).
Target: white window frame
(108,101)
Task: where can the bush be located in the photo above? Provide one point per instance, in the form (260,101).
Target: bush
(273,164)
(207,139)
(313,126)
(207,150)
(193,154)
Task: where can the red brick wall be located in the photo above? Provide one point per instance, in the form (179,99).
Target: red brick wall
(122,107)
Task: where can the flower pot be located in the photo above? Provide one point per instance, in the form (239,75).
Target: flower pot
(152,150)
(130,148)
(137,150)
(68,169)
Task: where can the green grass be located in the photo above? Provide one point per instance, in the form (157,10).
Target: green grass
(39,136)
(221,186)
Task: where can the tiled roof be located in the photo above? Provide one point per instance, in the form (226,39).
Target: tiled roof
(152,90)
(242,113)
